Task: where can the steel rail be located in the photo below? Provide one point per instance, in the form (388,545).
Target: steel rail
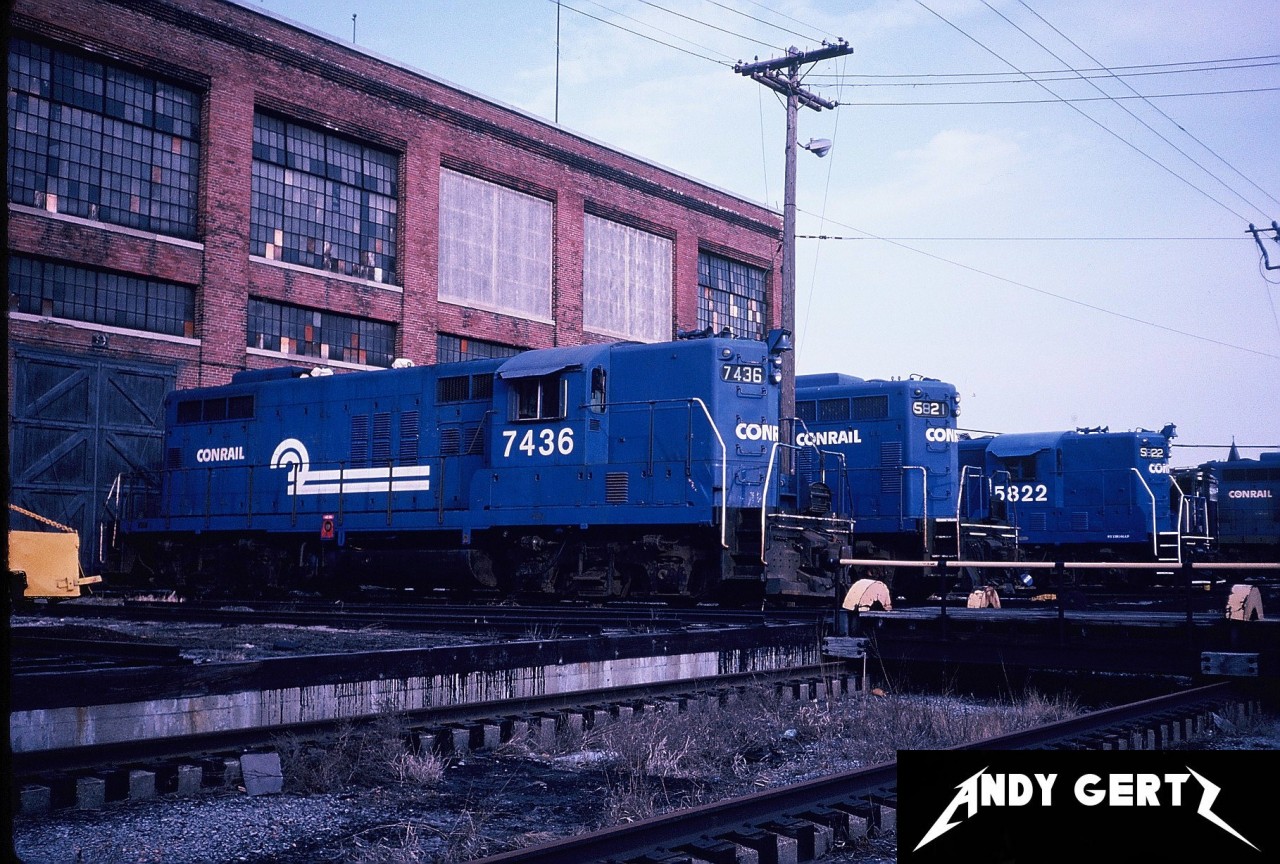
(871,785)
(568,702)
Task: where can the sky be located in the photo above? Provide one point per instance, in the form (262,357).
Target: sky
(1001,210)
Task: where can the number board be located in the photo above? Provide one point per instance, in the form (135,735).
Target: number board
(742,373)
(929,409)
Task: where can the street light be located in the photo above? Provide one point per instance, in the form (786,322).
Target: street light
(818,146)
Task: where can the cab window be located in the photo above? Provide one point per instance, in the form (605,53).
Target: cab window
(538,398)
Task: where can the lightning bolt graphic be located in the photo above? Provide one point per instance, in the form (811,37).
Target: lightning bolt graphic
(944,823)
(1206,802)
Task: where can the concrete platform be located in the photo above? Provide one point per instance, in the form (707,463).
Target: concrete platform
(54,711)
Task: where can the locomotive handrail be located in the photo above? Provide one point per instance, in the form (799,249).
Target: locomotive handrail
(1186,514)
(964,478)
(724,454)
(1155,531)
(924,502)
(768,474)
(764,496)
(845,485)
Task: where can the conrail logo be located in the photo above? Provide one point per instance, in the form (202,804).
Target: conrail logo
(756,432)
(990,791)
(828,439)
(220,454)
(1249,493)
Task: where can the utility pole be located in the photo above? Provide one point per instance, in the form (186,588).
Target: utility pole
(782,74)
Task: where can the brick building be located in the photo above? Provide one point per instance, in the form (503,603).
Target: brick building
(196,187)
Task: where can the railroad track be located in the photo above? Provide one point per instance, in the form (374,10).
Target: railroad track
(803,821)
(493,619)
(209,758)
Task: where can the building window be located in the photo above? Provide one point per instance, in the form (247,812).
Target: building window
(495,247)
(55,290)
(323,335)
(731,295)
(626,281)
(322,200)
(96,140)
(452,349)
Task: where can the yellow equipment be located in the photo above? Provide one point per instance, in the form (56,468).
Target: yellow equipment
(46,564)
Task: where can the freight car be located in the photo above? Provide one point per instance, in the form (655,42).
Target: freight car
(1083,495)
(896,442)
(1240,520)
(605,470)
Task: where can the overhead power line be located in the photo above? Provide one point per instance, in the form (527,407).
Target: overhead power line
(1135,319)
(923,79)
(1088,117)
(813,39)
(618,26)
(1066,100)
(1182,128)
(699,21)
(1035,239)
(1032,78)
(1126,110)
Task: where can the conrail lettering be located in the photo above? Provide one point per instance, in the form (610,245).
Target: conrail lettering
(756,432)
(941,436)
(1249,493)
(827,439)
(220,454)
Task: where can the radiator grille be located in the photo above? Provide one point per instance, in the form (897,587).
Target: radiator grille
(617,487)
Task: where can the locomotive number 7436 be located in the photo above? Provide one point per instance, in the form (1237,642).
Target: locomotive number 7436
(539,442)
(742,373)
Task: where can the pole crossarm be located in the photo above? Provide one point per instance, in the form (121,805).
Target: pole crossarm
(795,57)
(775,81)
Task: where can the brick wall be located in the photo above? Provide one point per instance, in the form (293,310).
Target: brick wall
(240,60)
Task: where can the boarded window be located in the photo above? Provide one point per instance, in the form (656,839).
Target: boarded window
(495,247)
(626,281)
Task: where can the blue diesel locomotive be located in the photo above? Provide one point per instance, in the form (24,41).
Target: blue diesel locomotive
(1241,517)
(1085,495)
(604,470)
(896,443)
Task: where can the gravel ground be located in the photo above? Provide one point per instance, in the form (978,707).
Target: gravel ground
(484,803)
